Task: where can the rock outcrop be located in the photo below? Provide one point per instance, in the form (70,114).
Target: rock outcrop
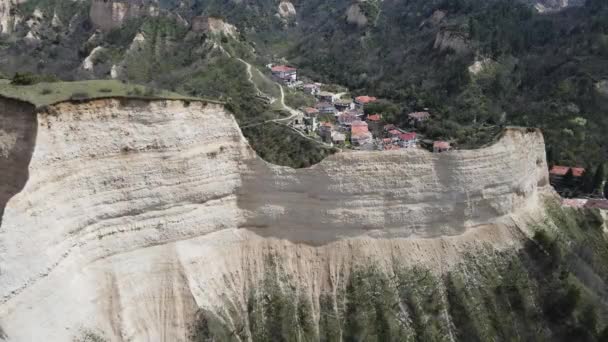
(126,216)
(355,16)
(451,39)
(111,14)
(286,10)
(212,25)
(545,6)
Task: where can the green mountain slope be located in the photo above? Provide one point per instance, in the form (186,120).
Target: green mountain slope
(540,70)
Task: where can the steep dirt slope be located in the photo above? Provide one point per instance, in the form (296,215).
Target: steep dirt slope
(136,214)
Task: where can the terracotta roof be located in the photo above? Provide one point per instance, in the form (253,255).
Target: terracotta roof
(310,110)
(360,135)
(443,145)
(558,170)
(374,117)
(387,140)
(358,130)
(389,127)
(365,99)
(407,136)
(578,171)
(394,132)
(359,123)
(282,68)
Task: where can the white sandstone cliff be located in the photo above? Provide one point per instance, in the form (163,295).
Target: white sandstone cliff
(126,216)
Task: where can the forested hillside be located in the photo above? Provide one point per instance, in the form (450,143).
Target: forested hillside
(544,70)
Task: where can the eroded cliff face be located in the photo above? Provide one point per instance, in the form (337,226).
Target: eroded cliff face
(135,214)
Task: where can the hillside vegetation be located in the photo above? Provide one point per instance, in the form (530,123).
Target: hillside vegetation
(538,69)
(554,289)
(47,93)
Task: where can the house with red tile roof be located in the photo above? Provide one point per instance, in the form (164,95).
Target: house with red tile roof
(408,140)
(374,118)
(558,170)
(285,73)
(557,176)
(361,101)
(360,135)
(441,146)
(310,112)
(394,134)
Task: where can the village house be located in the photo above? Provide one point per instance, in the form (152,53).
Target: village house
(557,176)
(361,101)
(338,138)
(325,96)
(311,88)
(373,118)
(311,115)
(325,130)
(394,134)
(360,134)
(310,111)
(407,140)
(347,118)
(441,146)
(418,117)
(389,127)
(285,73)
(374,122)
(342,105)
(325,108)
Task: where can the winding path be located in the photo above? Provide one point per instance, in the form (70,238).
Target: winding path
(293,112)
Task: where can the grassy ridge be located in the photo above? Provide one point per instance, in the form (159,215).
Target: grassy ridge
(43,94)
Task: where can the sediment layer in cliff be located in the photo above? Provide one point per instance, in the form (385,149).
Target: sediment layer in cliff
(128,215)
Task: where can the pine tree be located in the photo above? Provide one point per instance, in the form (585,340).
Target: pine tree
(606,190)
(587,180)
(568,180)
(598,178)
